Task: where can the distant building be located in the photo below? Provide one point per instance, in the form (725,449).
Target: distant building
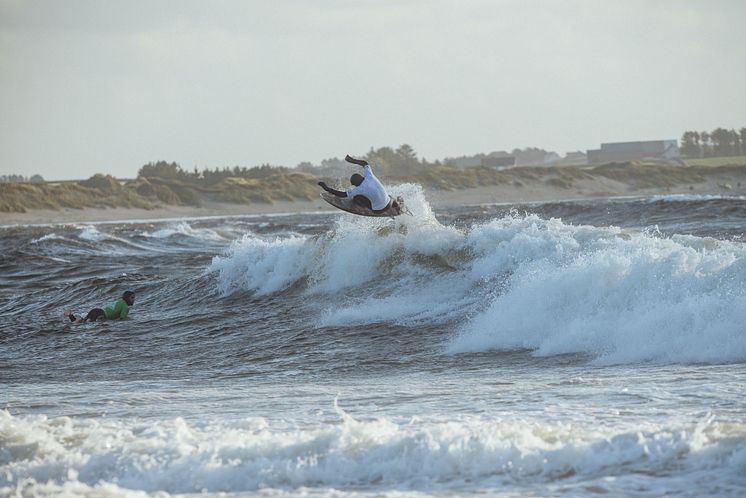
(634,151)
(574,159)
(534,157)
(498,162)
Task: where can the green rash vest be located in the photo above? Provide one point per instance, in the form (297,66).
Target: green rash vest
(118,310)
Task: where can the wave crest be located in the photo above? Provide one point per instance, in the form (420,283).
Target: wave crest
(252,454)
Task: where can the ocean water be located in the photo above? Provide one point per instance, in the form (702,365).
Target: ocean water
(586,348)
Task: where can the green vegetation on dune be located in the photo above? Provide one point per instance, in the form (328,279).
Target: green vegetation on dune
(162,183)
(20,197)
(104,191)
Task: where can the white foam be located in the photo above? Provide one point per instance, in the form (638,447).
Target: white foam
(184,229)
(621,298)
(523,282)
(264,266)
(90,233)
(695,197)
(49,236)
(469,452)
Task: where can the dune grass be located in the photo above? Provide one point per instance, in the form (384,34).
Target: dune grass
(104,191)
(20,197)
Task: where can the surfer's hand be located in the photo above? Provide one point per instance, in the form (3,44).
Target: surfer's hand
(324,186)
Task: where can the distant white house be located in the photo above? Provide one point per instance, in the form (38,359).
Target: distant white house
(634,151)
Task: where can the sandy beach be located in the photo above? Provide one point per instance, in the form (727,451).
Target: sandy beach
(91,215)
(438,199)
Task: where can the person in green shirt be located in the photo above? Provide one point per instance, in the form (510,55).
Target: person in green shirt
(117,310)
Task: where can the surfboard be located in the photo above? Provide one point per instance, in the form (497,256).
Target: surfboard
(347,204)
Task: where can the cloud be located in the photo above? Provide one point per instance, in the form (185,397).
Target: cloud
(93,86)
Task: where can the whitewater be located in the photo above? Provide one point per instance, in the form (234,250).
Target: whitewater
(581,348)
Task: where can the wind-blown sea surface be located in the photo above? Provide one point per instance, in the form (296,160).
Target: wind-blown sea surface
(564,349)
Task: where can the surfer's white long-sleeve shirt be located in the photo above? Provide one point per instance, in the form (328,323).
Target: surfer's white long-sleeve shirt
(372,189)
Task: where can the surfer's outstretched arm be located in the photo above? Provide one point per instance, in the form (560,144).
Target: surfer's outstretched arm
(359,162)
(338,193)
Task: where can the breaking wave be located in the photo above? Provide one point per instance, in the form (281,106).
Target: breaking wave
(516,282)
(177,456)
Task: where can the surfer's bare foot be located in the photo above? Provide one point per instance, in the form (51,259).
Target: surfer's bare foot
(69,314)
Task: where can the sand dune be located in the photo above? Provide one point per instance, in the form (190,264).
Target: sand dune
(519,185)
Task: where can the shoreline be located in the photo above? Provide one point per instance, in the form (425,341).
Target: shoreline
(438,199)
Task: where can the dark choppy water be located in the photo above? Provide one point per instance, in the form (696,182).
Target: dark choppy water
(576,348)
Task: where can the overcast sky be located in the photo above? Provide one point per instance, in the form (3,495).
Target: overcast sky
(107,86)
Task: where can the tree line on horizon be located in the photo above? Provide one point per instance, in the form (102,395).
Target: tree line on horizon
(402,161)
(21,179)
(720,142)
(174,171)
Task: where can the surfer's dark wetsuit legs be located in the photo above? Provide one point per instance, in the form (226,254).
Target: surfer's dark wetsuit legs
(361,200)
(92,315)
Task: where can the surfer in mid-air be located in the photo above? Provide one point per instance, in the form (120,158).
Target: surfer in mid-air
(118,310)
(367,191)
